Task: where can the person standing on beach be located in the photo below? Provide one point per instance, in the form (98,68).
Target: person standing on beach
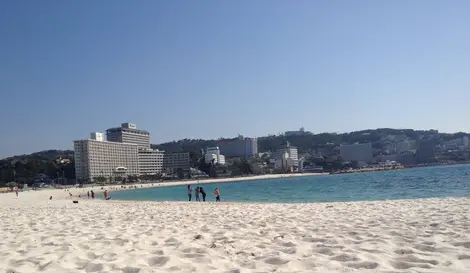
(190,192)
(217,195)
(92,195)
(197,191)
(105,193)
(201,190)
(16,193)
(88,194)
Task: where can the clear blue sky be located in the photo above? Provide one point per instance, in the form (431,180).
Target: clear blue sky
(209,69)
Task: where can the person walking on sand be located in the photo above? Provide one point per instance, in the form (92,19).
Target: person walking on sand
(190,192)
(16,193)
(217,195)
(203,193)
(88,194)
(196,192)
(92,195)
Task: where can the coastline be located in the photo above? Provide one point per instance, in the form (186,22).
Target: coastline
(117,187)
(63,193)
(232,179)
(42,235)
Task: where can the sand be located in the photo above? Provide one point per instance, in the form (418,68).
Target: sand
(41,235)
(231,179)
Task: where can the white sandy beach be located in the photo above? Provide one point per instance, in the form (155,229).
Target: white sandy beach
(233,179)
(41,235)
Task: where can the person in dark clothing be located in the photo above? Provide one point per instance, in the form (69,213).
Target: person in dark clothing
(203,193)
(190,192)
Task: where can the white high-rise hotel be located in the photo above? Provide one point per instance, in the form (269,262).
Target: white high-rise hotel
(125,152)
(128,133)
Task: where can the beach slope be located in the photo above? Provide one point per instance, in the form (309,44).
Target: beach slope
(41,235)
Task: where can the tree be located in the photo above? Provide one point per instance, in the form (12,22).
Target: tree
(100,179)
(11,185)
(354,164)
(243,166)
(180,173)
(7,174)
(132,178)
(26,167)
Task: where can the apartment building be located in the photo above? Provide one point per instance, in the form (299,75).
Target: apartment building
(150,161)
(128,133)
(240,147)
(95,157)
(174,161)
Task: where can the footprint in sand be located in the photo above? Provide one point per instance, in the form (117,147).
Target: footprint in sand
(364,265)
(464,244)
(275,261)
(407,265)
(158,261)
(464,257)
(325,251)
(130,269)
(92,267)
(345,258)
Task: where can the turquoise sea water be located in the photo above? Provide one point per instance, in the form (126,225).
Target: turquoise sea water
(439,181)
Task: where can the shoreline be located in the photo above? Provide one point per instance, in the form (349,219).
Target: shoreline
(116,187)
(63,193)
(227,180)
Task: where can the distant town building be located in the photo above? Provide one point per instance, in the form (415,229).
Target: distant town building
(128,133)
(406,158)
(461,142)
(465,141)
(174,161)
(403,146)
(62,161)
(356,152)
(291,152)
(426,151)
(150,161)
(300,132)
(213,155)
(240,147)
(95,158)
(284,162)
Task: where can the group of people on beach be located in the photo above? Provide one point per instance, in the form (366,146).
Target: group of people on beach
(199,191)
(91,194)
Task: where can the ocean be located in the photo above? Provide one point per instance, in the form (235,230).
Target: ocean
(424,182)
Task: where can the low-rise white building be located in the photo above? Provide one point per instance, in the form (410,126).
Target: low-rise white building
(284,163)
(291,151)
(213,155)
